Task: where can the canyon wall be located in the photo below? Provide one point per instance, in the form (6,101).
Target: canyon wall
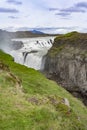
(66,63)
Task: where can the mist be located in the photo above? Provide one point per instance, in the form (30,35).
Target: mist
(29,51)
(5,41)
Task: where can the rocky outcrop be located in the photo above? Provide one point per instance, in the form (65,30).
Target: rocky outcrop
(66,63)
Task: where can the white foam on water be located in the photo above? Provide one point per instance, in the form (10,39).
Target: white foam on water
(35,48)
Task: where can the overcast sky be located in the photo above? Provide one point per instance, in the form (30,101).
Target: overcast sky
(54,16)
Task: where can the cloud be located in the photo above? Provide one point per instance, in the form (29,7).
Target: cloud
(76,8)
(12,17)
(8,10)
(14,2)
(73,10)
(9,28)
(53,9)
(63,14)
(81,4)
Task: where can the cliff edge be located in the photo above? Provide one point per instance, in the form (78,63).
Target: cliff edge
(66,63)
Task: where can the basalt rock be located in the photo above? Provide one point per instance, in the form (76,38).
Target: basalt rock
(66,63)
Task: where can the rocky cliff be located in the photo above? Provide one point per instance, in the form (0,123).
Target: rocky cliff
(66,63)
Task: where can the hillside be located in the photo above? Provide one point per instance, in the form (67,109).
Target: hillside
(29,101)
(66,63)
(21,34)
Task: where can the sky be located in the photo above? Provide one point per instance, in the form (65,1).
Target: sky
(50,16)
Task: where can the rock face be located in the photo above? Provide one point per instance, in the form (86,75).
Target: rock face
(66,63)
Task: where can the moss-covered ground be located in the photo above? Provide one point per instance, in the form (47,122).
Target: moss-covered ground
(69,42)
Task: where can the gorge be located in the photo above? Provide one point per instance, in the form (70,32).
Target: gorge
(62,59)
(66,63)
(32,100)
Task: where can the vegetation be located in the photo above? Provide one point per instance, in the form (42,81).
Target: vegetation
(29,101)
(55,50)
(66,41)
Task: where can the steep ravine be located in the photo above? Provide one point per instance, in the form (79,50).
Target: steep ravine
(66,63)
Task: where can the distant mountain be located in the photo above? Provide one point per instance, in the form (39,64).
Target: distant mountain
(37,32)
(21,34)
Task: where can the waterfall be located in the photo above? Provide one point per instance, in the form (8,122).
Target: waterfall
(25,55)
(33,52)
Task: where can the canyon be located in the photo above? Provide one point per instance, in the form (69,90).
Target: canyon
(66,63)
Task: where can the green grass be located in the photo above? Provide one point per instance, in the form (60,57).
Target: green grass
(61,41)
(55,50)
(29,101)
(64,43)
(71,34)
(67,35)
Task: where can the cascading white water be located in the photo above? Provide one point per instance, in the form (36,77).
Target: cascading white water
(32,53)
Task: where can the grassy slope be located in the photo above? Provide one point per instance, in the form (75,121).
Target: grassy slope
(38,105)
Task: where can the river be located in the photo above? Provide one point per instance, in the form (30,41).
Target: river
(33,52)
